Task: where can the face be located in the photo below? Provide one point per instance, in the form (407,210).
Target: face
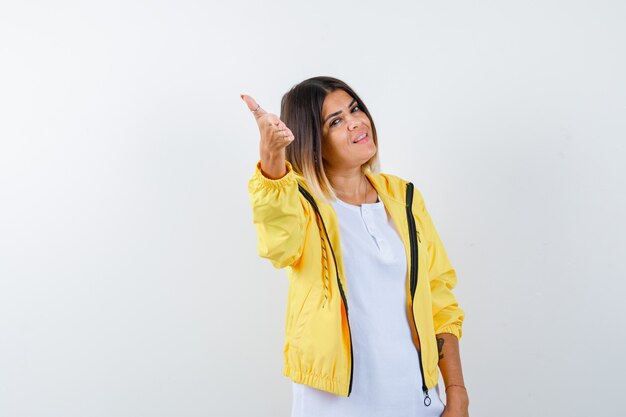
(344,123)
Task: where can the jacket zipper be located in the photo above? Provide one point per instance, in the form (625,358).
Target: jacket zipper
(311,200)
(413,278)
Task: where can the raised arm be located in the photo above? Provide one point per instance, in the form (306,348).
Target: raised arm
(279,215)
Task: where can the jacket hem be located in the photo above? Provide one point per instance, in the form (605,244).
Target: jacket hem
(317,381)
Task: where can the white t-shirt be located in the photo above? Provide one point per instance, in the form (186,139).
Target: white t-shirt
(386,376)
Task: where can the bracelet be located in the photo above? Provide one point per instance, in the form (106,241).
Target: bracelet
(454,385)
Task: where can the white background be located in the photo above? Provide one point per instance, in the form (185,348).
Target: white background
(129,279)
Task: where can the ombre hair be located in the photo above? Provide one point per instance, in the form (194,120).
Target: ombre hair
(301,111)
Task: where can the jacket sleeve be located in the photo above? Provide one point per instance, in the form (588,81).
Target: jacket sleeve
(278,215)
(447,316)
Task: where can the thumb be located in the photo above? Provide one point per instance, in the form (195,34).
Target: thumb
(252,105)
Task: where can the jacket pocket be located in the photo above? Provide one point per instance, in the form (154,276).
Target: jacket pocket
(305,310)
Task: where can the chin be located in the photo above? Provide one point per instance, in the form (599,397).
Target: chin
(373,154)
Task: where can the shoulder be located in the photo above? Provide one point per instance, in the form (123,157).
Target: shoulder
(394,186)
(390,183)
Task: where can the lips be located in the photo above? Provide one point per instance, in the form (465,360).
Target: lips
(359,138)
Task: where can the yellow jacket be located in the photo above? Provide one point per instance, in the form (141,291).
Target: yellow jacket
(302,235)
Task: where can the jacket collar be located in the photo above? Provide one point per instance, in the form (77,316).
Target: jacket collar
(389,187)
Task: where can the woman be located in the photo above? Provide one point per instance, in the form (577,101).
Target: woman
(371,319)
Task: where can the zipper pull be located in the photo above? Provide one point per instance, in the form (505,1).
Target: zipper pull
(426,397)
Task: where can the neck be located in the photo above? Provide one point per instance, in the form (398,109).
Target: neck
(349,183)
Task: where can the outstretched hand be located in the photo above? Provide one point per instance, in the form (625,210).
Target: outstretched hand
(275,136)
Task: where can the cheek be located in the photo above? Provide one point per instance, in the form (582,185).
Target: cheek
(328,147)
(334,144)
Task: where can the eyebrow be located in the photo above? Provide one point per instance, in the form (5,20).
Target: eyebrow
(337,112)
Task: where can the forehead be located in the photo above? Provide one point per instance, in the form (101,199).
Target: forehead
(335,101)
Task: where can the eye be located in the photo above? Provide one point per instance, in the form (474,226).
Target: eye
(355,108)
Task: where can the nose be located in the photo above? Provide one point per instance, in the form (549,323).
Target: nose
(354,123)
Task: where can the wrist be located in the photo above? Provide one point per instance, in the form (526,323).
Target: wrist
(457,394)
(273,166)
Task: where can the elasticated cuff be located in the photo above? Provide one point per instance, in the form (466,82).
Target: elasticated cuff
(282,182)
(454,329)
